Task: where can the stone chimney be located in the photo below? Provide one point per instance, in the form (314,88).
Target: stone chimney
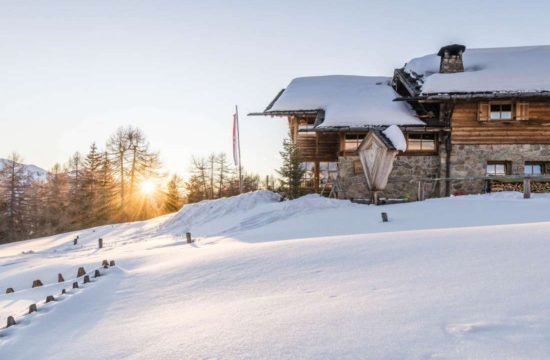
(451,59)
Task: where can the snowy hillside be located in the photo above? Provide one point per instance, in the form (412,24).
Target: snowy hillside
(34,171)
(464,277)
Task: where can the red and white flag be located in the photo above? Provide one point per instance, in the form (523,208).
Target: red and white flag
(236,145)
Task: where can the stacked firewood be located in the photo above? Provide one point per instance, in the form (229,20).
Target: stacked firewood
(536,187)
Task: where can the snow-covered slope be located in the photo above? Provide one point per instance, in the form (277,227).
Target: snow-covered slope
(36,173)
(464,277)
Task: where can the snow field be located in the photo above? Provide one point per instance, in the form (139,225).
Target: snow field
(462,277)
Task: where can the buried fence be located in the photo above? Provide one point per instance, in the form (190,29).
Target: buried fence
(81,273)
(483,185)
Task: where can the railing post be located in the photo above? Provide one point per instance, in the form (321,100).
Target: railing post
(527,188)
(420,194)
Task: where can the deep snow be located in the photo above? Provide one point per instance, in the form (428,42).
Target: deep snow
(464,277)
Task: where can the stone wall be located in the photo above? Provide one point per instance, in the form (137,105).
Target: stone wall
(403,181)
(471,160)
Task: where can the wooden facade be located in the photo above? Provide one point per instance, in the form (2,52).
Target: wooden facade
(471,124)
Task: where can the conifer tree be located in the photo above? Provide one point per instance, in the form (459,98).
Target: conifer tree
(173,200)
(291,171)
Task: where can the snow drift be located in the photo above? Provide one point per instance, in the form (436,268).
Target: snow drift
(462,277)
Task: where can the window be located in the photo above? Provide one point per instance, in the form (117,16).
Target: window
(352,142)
(501,111)
(497,168)
(533,168)
(421,142)
(308,180)
(328,171)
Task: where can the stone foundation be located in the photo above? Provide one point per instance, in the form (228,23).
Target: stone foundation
(403,181)
(466,161)
(471,160)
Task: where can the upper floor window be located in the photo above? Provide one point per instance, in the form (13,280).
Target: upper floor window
(421,142)
(501,111)
(352,142)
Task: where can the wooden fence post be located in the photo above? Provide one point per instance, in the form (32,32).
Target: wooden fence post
(384,217)
(60,278)
(81,272)
(32,308)
(100,241)
(11,321)
(37,283)
(112,263)
(527,188)
(188,237)
(420,194)
(97,273)
(105,263)
(75,285)
(9,290)
(86,279)
(49,298)
(75,241)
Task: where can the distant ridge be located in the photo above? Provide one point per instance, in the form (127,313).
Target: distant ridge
(34,171)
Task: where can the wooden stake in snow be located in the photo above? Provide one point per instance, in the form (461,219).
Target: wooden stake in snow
(188,237)
(81,272)
(75,285)
(49,298)
(105,263)
(384,217)
(60,278)
(526,188)
(32,308)
(112,263)
(9,290)
(11,321)
(63,291)
(97,273)
(100,243)
(86,279)
(37,283)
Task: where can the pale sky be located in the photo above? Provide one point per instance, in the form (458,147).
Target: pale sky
(72,72)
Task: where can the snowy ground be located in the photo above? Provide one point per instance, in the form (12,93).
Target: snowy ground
(466,277)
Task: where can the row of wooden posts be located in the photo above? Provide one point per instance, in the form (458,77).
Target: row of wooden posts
(99,241)
(37,283)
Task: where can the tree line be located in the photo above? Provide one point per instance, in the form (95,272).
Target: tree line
(108,185)
(100,187)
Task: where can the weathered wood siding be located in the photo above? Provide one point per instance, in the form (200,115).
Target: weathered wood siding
(468,129)
(318,146)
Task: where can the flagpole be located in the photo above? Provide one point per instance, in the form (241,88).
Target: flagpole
(239,150)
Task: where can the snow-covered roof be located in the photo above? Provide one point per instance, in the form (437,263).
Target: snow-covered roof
(512,69)
(348,101)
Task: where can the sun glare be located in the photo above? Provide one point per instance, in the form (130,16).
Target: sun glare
(147,187)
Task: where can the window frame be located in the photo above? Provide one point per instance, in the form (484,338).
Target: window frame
(506,165)
(357,138)
(501,104)
(542,164)
(422,151)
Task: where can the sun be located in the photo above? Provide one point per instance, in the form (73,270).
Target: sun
(147,187)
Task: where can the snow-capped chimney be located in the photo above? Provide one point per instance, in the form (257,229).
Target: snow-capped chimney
(451,58)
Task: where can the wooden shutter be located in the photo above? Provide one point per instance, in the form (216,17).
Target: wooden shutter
(522,111)
(483,111)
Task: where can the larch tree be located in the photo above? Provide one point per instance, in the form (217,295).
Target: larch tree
(14,182)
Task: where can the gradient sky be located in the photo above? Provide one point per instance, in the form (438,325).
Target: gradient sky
(72,72)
